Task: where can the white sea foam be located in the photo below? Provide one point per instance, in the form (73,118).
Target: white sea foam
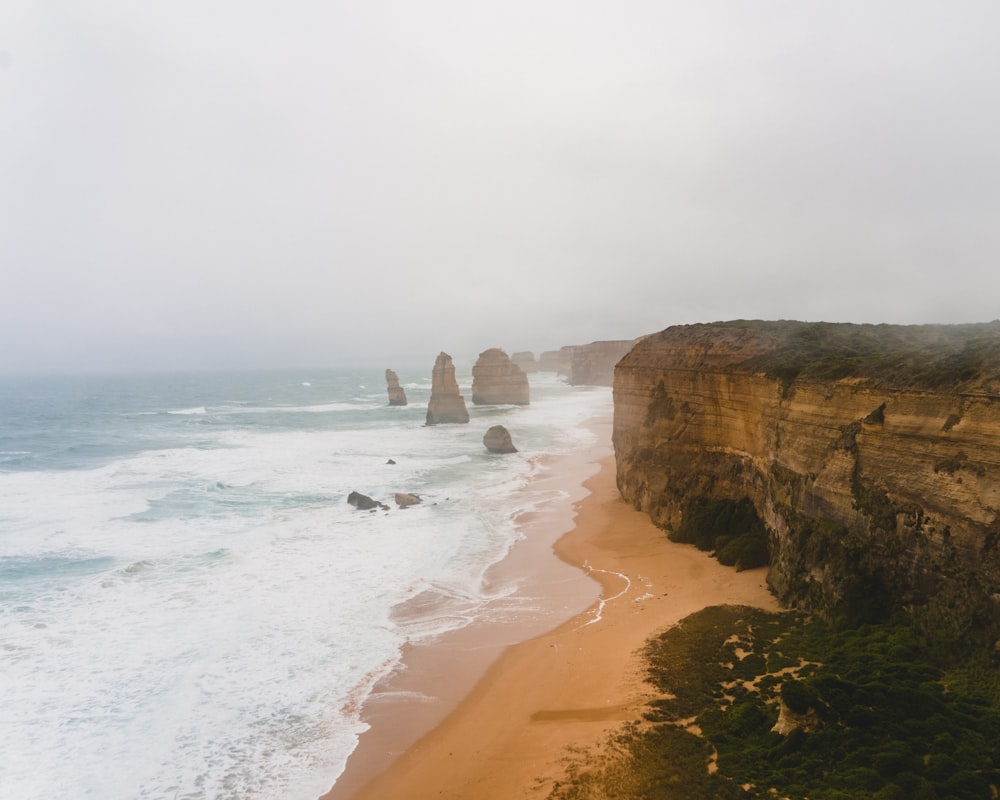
(189,411)
(205,620)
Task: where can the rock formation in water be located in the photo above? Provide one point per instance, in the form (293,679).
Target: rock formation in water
(594,364)
(496,380)
(364,502)
(525,359)
(870,452)
(446,404)
(548,361)
(497,440)
(404,499)
(397,397)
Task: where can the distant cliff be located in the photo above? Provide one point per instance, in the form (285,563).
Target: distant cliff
(593,364)
(870,453)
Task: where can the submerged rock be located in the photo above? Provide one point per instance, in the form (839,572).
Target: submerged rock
(446,404)
(497,440)
(397,397)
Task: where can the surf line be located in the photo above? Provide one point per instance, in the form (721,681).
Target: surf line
(602,602)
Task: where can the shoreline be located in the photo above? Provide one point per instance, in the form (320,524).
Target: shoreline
(434,676)
(510,730)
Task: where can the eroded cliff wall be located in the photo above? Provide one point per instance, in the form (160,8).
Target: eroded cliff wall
(870,452)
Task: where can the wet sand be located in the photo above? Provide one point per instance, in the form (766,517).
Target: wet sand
(487,714)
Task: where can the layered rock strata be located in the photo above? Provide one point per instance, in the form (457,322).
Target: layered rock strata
(397,397)
(496,380)
(497,440)
(446,404)
(871,453)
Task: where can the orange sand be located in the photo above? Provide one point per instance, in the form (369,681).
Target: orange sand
(509,737)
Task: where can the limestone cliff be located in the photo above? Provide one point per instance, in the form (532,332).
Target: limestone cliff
(397,397)
(446,403)
(496,380)
(594,364)
(871,454)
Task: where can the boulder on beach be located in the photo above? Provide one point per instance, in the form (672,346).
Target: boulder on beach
(364,502)
(497,440)
(404,499)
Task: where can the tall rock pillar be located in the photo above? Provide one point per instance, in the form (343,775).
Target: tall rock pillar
(397,397)
(446,404)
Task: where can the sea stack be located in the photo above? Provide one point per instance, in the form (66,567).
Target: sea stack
(525,359)
(497,380)
(497,440)
(397,397)
(446,404)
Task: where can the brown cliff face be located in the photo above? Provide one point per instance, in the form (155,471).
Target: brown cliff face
(496,380)
(870,452)
(594,364)
(397,397)
(446,403)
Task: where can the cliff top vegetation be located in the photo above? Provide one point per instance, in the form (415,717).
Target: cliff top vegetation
(963,357)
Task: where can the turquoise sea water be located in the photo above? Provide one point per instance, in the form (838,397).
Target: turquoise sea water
(188,606)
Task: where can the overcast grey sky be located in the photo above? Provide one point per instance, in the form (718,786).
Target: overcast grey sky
(242,183)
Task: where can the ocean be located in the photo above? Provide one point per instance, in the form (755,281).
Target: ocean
(190,609)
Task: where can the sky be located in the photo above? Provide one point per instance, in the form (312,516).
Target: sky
(238,184)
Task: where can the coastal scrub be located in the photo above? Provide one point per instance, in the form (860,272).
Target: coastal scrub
(756,704)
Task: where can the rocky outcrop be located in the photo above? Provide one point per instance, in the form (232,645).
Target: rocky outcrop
(497,440)
(397,397)
(364,503)
(404,499)
(525,359)
(871,453)
(594,364)
(496,380)
(446,404)
(548,361)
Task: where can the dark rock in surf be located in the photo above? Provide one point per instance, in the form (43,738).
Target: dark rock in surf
(364,503)
(497,440)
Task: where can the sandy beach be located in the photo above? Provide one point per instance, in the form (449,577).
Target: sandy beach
(507,732)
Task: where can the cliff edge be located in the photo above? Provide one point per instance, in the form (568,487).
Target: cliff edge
(870,454)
